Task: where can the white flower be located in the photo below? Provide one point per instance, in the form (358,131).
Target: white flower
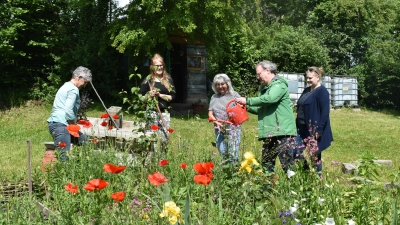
(329,221)
(290,173)
(293,208)
(351,222)
(320,200)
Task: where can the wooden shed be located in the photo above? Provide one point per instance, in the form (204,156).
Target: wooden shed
(187,65)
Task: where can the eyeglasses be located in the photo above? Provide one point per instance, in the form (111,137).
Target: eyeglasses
(258,74)
(159,65)
(313,70)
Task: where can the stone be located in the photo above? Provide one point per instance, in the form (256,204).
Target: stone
(349,168)
(389,185)
(387,163)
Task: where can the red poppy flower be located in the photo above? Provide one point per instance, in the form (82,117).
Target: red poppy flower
(96,184)
(163,162)
(62,145)
(110,127)
(202,179)
(204,168)
(88,124)
(157,179)
(73,129)
(118,196)
(83,122)
(154,127)
(170,130)
(111,168)
(104,123)
(72,188)
(115,117)
(183,165)
(104,116)
(95,140)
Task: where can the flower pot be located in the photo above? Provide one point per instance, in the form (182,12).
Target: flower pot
(49,156)
(197,108)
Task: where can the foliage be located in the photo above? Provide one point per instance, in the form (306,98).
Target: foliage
(290,48)
(27,40)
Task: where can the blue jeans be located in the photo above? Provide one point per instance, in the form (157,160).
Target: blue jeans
(60,133)
(228,142)
(303,133)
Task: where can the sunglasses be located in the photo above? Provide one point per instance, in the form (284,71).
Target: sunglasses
(313,70)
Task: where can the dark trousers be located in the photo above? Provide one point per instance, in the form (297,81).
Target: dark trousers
(283,147)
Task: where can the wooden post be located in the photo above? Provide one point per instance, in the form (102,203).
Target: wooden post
(29,168)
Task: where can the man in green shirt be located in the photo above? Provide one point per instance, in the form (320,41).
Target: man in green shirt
(276,122)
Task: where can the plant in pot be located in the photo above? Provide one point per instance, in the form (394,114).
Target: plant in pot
(198,107)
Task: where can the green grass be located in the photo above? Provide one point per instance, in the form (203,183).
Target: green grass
(354,132)
(232,197)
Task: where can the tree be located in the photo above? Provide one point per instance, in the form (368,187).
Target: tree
(26,42)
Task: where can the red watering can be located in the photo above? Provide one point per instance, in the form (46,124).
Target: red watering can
(237,114)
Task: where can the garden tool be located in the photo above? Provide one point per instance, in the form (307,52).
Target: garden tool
(162,118)
(112,119)
(237,114)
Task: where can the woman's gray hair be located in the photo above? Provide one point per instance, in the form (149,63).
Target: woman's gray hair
(267,65)
(222,78)
(83,72)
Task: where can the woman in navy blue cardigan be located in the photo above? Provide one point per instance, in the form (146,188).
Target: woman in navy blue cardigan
(312,120)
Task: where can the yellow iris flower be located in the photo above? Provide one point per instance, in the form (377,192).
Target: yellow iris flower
(248,162)
(172,212)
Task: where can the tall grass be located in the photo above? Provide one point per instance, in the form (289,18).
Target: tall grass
(354,132)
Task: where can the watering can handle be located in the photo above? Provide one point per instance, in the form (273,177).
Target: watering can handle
(229,103)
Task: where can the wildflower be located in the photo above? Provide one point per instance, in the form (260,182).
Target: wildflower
(62,145)
(170,130)
(183,165)
(115,117)
(248,162)
(351,222)
(87,124)
(154,127)
(335,163)
(83,122)
(118,196)
(95,140)
(104,116)
(329,221)
(72,188)
(202,179)
(293,208)
(204,171)
(320,200)
(163,162)
(111,168)
(290,173)
(96,184)
(157,179)
(171,212)
(73,129)
(104,123)
(204,168)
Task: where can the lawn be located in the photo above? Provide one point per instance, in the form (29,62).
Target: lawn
(232,197)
